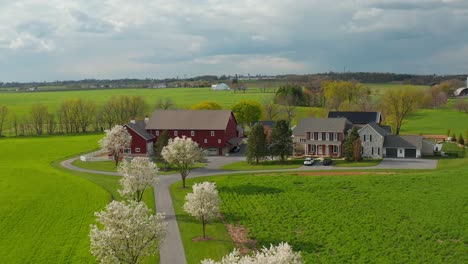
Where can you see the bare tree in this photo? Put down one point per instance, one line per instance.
(39, 114)
(270, 109)
(3, 117)
(164, 104)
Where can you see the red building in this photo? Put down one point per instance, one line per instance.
(214, 130)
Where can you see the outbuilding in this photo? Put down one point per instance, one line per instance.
(220, 87)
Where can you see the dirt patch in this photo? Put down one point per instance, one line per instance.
(198, 239)
(238, 234)
(339, 173)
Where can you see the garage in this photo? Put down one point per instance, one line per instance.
(410, 153)
(391, 152)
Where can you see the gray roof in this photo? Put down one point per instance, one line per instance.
(139, 128)
(377, 129)
(408, 141)
(321, 125)
(189, 119)
(388, 129)
(357, 117)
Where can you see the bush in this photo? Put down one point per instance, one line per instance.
(327, 162)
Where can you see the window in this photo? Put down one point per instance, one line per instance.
(370, 138)
(219, 141)
(378, 151)
(175, 133)
(127, 151)
(335, 149)
(312, 148)
(401, 151)
(302, 140)
(192, 133)
(319, 136)
(157, 133)
(362, 150)
(335, 136)
(212, 133)
(137, 150)
(327, 136)
(372, 151)
(205, 141)
(364, 138)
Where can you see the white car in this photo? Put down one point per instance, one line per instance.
(308, 162)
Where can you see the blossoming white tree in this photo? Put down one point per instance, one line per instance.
(203, 203)
(281, 254)
(183, 153)
(129, 232)
(115, 141)
(138, 175)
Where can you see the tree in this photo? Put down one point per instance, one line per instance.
(460, 140)
(3, 117)
(39, 114)
(206, 105)
(454, 137)
(343, 95)
(203, 203)
(461, 106)
(138, 175)
(126, 232)
(270, 109)
(247, 111)
(281, 143)
(397, 104)
(116, 140)
(256, 144)
(281, 254)
(162, 141)
(352, 146)
(292, 93)
(434, 97)
(164, 104)
(183, 153)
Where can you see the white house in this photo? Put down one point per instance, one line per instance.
(220, 87)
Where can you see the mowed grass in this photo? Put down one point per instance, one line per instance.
(45, 213)
(406, 217)
(109, 166)
(264, 165)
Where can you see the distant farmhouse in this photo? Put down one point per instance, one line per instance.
(463, 91)
(324, 137)
(220, 87)
(216, 131)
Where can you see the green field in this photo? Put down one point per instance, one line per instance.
(264, 165)
(406, 217)
(45, 211)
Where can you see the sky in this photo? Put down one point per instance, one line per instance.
(47, 40)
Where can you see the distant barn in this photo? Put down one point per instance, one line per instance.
(220, 87)
(463, 91)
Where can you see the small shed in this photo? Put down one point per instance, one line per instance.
(220, 87)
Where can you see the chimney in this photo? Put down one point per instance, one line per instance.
(146, 120)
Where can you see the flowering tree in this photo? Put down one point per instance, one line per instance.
(138, 175)
(115, 141)
(281, 254)
(182, 153)
(203, 203)
(129, 231)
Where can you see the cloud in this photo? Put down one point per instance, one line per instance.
(120, 38)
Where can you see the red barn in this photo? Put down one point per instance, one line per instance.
(214, 130)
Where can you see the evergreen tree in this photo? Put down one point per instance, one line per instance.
(256, 145)
(352, 145)
(454, 137)
(461, 141)
(158, 146)
(281, 144)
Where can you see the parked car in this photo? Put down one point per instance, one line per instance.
(235, 149)
(327, 162)
(308, 162)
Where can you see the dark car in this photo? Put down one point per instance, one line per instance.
(327, 162)
(235, 149)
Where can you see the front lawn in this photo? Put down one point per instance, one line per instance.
(362, 163)
(110, 166)
(405, 217)
(264, 165)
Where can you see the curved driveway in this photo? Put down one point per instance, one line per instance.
(172, 249)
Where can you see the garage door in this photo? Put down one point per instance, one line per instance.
(410, 153)
(391, 152)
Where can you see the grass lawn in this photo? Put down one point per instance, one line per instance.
(110, 166)
(362, 163)
(45, 210)
(264, 165)
(449, 146)
(405, 217)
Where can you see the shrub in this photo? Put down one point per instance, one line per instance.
(327, 162)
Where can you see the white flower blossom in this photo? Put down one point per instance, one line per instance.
(115, 141)
(138, 175)
(203, 203)
(126, 232)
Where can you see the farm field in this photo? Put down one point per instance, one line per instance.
(405, 217)
(45, 212)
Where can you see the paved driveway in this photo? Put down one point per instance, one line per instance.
(394, 163)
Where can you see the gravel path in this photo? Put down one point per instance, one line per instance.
(172, 248)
